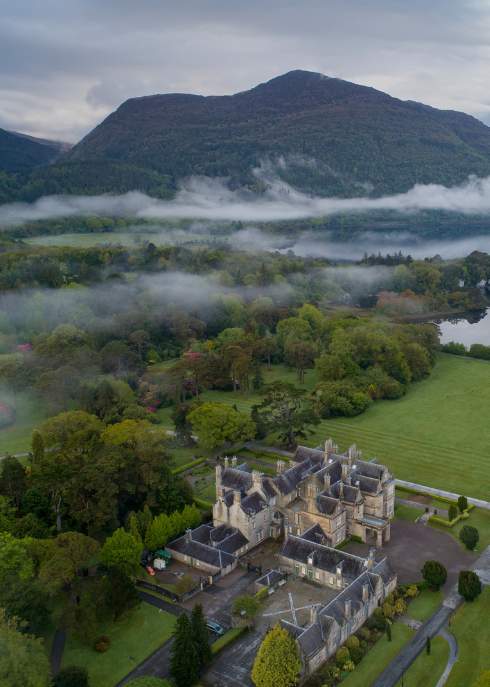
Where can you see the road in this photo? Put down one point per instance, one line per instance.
(393, 673)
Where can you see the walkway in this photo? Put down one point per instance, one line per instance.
(423, 489)
(400, 664)
(453, 655)
(57, 649)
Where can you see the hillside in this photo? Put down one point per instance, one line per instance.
(356, 136)
(323, 135)
(22, 153)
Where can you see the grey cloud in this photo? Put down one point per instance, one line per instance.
(78, 60)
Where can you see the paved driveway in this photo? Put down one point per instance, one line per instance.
(412, 544)
(233, 665)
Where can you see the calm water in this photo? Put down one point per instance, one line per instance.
(472, 328)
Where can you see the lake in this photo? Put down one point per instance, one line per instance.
(472, 328)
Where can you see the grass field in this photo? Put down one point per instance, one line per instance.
(427, 668)
(480, 519)
(403, 512)
(424, 605)
(377, 658)
(132, 639)
(438, 434)
(29, 413)
(472, 631)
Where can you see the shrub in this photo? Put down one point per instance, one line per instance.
(462, 503)
(469, 585)
(365, 633)
(434, 573)
(352, 642)
(349, 666)
(246, 606)
(400, 607)
(412, 591)
(102, 644)
(388, 610)
(342, 656)
(262, 593)
(185, 584)
(356, 654)
(469, 536)
(452, 512)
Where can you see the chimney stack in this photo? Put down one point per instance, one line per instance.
(226, 462)
(371, 558)
(280, 467)
(365, 592)
(326, 480)
(188, 535)
(234, 462)
(237, 496)
(348, 608)
(313, 614)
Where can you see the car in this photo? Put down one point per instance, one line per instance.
(150, 570)
(215, 627)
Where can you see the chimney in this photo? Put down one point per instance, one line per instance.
(218, 475)
(313, 614)
(341, 490)
(226, 461)
(326, 480)
(234, 462)
(348, 608)
(345, 470)
(237, 496)
(352, 454)
(256, 479)
(188, 535)
(328, 448)
(365, 593)
(371, 558)
(280, 467)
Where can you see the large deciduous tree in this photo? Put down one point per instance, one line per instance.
(122, 551)
(277, 661)
(23, 660)
(217, 424)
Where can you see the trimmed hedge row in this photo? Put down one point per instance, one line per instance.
(450, 523)
(188, 466)
(444, 499)
(227, 639)
(207, 505)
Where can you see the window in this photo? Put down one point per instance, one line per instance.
(317, 575)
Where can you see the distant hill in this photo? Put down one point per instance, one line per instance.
(22, 153)
(323, 135)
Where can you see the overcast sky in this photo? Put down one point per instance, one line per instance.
(66, 64)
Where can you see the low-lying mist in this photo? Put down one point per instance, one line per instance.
(211, 199)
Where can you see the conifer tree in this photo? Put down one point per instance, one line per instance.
(200, 635)
(184, 663)
(277, 661)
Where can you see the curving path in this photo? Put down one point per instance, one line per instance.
(453, 656)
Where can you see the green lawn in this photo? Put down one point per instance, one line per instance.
(403, 512)
(438, 434)
(425, 605)
(472, 631)
(132, 639)
(480, 519)
(30, 413)
(427, 668)
(378, 658)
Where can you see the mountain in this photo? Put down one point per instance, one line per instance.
(323, 135)
(22, 153)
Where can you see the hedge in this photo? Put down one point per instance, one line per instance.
(449, 523)
(207, 505)
(188, 466)
(444, 499)
(262, 593)
(227, 638)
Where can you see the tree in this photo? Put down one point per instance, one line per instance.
(23, 660)
(284, 410)
(462, 503)
(469, 585)
(122, 551)
(469, 536)
(217, 424)
(277, 661)
(37, 445)
(120, 592)
(12, 480)
(71, 676)
(434, 573)
(246, 606)
(452, 512)
(200, 635)
(300, 355)
(185, 661)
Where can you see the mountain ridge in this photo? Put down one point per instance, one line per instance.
(321, 134)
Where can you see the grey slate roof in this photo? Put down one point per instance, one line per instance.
(233, 478)
(369, 484)
(324, 557)
(202, 552)
(367, 469)
(253, 503)
(326, 504)
(350, 494)
(270, 578)
(212, 545)
(315, 534)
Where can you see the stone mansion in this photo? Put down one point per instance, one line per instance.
(341, 493)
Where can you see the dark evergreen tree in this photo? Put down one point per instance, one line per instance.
(184, 663)
(469, 536)
(72, 676)
(462, 503)
(469, 585)
(200, 635)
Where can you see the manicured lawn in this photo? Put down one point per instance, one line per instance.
(480, 519)
(185, 454)
(427, 668)
(403, 512)
(424, 605)
(132, 639)
(472, 631)
(377, 659)
(438, 434)
(29, 414)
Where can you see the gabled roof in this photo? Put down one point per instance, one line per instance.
(349, 493)
(326, 504)
(253, 503)
(324, 557)
(239, 480)
(369, 469)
